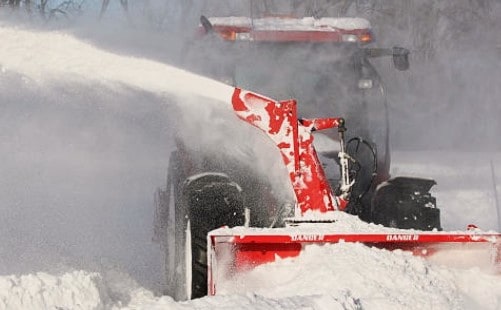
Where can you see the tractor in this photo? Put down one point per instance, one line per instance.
(286, 49)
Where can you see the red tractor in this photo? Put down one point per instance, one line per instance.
(286, 51)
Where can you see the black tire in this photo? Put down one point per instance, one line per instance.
(193, 207)
(406, 203)
(211, 201)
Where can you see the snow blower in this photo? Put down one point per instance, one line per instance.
(318, 212)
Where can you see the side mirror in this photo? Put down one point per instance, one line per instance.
(400, 58)
(206, 24)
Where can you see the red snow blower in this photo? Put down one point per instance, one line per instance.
(317, 215)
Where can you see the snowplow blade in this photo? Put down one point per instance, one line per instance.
(239, 250)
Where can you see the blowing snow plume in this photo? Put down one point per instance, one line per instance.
(86, 137)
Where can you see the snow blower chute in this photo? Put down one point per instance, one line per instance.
(318, 216)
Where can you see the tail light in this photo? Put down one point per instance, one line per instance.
(365, 37)
(235, 36)
(228, 35)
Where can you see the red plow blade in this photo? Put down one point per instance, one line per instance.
(232, 251)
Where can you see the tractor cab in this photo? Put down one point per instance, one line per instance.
(302, 50)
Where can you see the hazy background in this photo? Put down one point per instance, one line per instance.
(80, 162)
(448, 99)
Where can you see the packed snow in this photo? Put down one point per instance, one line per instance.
(353, 276)
(339, 276)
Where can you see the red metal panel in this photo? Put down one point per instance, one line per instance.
(248, 255)
(295, 141)
(363, 238)
(296, 36)
(277, 36)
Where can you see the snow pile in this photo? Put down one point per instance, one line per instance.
(72, 290)
(356, 276)
(76, 289)
(334, 276)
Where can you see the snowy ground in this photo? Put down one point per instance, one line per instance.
(84, 142)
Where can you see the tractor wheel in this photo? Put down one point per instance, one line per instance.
(406, 202)
(204, 202)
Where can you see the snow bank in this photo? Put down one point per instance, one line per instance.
(371, 277)
(361, 277)
(76, 289)
(334, 276)
(72, 290)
